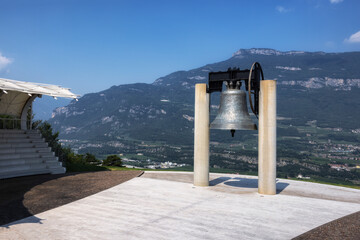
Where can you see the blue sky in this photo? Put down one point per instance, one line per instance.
(89, 46)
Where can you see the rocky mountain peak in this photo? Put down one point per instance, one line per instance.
(264, 51)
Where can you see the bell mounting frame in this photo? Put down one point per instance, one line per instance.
(233, 77)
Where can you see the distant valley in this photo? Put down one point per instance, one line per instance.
(149, 124)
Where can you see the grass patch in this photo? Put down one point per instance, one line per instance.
(328, 182)
(180, 169)
(114, 168)
(183, 169)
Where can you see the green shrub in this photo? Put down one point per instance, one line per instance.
(91, 159)
(72, 161)
(80, 167)
(112, 160)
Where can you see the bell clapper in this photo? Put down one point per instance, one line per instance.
(232, 132)
(229, 152)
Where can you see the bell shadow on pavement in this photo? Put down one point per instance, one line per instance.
(280, 186)
(242, 182)
(245, 183)
(218, 180)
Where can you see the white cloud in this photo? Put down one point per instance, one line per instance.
(355, 38)
(288, 68)
(4, 61)
(282, 9)
(336, 1)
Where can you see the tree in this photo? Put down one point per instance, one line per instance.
(47, 132)
(112, 160)
(73, 162)
(91, 159)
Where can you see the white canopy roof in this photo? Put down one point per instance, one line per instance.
(36, 88)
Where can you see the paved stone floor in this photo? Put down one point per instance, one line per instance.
(165, 205)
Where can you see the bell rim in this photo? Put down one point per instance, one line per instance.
(230, 126)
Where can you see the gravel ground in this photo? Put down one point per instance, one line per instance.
(26, 196)
(345, 228)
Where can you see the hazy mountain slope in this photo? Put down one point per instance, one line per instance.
(311, 86)
(44, 106)
(318, 106)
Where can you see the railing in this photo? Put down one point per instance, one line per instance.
(13, 123)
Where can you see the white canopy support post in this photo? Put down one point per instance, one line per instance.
(267, 137)
(24, 112)
(201, 136)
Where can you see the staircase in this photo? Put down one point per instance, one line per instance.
(25, 152)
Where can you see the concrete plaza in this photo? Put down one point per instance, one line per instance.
(166, 205)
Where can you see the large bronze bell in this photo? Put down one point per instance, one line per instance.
(233, 112)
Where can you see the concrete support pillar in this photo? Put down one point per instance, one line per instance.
(24, 112)
(267, 137)
(201, 136)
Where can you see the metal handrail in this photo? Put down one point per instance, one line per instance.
(13, 123)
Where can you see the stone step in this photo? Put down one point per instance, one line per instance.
(21, 167)
(23, 145)
(4, 151)
(11, 131)
(21, 140)
(26, 155)
(15, 162)
(48, 161)
(20, 173)
(20, 135)
(18, 131)
(57, 170)
(53, 164)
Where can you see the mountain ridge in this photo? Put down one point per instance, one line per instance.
(316, 93)
(289, 72)
(317, 108)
